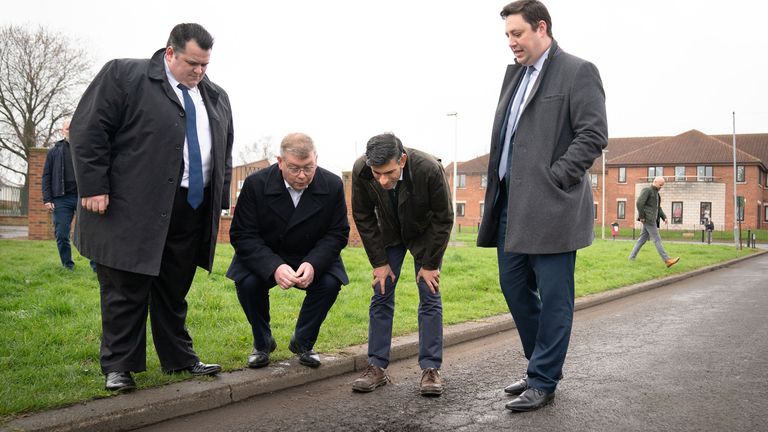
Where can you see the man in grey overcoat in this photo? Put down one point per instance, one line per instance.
(152, 151)
(550, 126)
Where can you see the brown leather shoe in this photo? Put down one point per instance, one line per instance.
(672, 261)
(431, 382)
(373, 377)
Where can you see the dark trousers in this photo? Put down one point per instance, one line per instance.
(539, 290)
(253, 294)
(382, 311)
(127, 298)
(63, 212)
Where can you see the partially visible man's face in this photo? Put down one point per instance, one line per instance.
(188, 66)
(297, 172)
(389, 174)
(527, 44)
(65, 130)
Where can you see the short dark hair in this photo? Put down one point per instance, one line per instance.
(532, 11)
(185, 32)
(383, 148)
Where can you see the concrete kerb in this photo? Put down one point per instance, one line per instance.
(150, 406)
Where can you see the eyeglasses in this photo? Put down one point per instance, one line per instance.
(307, 170)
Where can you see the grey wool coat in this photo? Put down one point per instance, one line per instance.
(127, 139)
(561, 131)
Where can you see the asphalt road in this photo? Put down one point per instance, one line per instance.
(691, 356)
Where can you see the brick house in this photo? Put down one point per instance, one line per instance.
(698, 169)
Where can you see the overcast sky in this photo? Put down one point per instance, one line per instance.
(343, 71)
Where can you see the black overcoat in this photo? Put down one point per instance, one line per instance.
(127, 139)
(268, 231)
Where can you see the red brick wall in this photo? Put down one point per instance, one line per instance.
(13, 220)
(472, 194)
(354, 236)
(224, 223)
(40, 224)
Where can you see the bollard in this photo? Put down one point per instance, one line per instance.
(754, 241)
(702, 236)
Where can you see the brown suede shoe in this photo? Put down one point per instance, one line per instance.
(373, 377)
(431, 382)
(672, 261)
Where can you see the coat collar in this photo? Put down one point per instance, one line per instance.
(279, 200)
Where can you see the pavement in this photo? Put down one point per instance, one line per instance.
(149, 406)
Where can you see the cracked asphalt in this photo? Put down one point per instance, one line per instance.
(690, 356)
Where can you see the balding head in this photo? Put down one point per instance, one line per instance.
(658, 182)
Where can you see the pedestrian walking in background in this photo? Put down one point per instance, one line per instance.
(650, 213)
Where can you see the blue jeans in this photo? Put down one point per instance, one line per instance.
(649, 231)
(382, 311)
(63, 212)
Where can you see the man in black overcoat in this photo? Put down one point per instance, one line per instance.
(289, 228)
(152, 149)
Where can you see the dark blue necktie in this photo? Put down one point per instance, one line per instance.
(195, 193)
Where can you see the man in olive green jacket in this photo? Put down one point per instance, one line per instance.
(649, 212)
(401, 202)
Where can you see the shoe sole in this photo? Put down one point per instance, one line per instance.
(516, 410)
(310, 364)
(257, 365)
(123, 389)
(515, 393)
(369, 389)
(431, 392)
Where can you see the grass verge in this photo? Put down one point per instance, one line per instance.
(50, 317)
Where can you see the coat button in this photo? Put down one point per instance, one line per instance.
(163, 214)
(170, 180)
(178, 147)
(181, 113)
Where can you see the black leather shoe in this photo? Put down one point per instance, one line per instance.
(531, 399)
(307, 358)
(258, 358)
(517, 387)
(119, 381)
(198, 369)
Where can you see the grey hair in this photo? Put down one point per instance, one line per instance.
(297, 144)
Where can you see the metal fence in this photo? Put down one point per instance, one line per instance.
(10, 201)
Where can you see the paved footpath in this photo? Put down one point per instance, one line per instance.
(689, 355)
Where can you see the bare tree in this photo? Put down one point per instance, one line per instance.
(41, 73)
(257, 150)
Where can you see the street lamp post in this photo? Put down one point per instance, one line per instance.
(602, 199)
(455, 116)
(735, 197)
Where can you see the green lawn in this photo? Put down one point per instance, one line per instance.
(50, 319)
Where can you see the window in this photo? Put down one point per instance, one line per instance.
(765, 213)
(704, 173)
(484, 181)
(677, 212)
(482, 209)
(705, 212)
(740, 204)
(740, 174)
(462, 182)
(621, 210)
(680, 173)
(460, 209)
(595, 211)
(622, 174)
(593, 178)
(655, 172)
